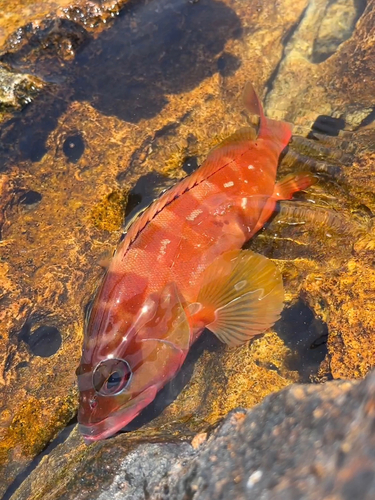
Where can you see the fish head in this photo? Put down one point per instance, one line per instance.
(118, 380)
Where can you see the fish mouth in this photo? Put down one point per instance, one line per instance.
(107, 427)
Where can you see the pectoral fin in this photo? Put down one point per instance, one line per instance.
(241, 296)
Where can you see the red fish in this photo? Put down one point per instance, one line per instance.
(180, 269)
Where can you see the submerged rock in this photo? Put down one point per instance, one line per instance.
(153, 92)
(17, 89)
(67, 204)
(89, 13)
(305, 442)
(328, 65)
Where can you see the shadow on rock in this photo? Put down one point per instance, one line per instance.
(306, 336)
(154, 49)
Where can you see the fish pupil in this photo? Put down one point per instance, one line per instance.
(114, 380)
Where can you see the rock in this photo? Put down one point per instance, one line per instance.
(329, 242)
(304, 442)
(56, 37)
(17, 90)
(73, 157)
(319, 71)
(91, 14)
(42, 45)
(172, 92)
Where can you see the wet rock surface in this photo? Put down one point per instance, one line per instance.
(70, 161)
(305, 442)
(17, 90)
(322, 64)
(91, 14)
(148, 94)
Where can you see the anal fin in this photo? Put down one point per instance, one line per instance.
(241, 296)
(285, 188)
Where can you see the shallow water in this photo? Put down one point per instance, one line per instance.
(126, 109)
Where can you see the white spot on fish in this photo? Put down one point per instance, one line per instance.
(240, 285)
(228, 184)
(145, 309)
(251, 167)
(244, 203)
(163, 248)
(245, 181)
(194, 214)
(201, 267)
(110, 356)
(254, 478)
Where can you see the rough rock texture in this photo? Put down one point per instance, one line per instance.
(324, 71)
(331, 237)
(71, 159)
(306, 442)
(40, 30)
(17, 90)
(30, 13)
(151, 93)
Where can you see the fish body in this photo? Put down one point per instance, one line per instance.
(179, 269)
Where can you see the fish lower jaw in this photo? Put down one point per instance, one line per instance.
(107, 427)
(92, 433)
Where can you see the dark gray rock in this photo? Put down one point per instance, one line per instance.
(306, 442)
(145, 469)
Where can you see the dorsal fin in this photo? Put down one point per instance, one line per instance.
(252, 102)
(219, 157)
(279, 131)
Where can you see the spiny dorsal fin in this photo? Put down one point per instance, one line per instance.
(252, 102)
(219, 157)
(278, 131)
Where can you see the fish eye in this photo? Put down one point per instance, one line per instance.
(111, 376)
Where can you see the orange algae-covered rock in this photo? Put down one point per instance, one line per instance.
(72, 157)
(74, 154)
